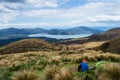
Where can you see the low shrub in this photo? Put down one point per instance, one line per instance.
(109, 72)
(5, 74)
(25, 75)
(55, 73)
(64, 74)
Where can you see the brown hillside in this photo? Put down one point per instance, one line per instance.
(113, 31)
(27, 45)
(110, 34)
(112, 46)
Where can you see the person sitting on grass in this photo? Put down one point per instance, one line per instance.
(83, 66)
(98, 63)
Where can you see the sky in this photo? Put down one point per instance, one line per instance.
(59, 13)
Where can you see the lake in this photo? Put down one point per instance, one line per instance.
(60, 36)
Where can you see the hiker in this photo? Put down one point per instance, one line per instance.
(98, 63)
(83, 66)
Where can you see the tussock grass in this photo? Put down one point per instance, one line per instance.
(25, 75)
(109, 72)
(72, 54)
(56, 73)
(64, 74)
(50, 72)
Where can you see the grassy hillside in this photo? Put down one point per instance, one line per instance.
(28, 45)
(113, 31)
(112, 46)
(59, 65)
(110, 34)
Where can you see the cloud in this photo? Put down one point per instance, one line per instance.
(45, 3)
(91, 9)
(42, 3)
(12, 1)
(3, 9)
(26, 25)
(6, 14)
(113, 1)
(7, 17)
(49, 13)
(97, 10)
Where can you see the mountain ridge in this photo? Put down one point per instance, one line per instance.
(107, 35)
(17, 33)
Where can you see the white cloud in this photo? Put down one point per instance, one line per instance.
(7, 17)
(42, 3)
(104, 18)
(91, 9)
(90, 14)
(30, 25)
(3, 9)
(9, 10)
(45, 3)
(13, 6)
(6, 14)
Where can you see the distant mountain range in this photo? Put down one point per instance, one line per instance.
(18, 33)
(107, 35)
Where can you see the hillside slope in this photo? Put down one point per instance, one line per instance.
(113, 31)
(110, 34)
(27, 45)
(111, 46)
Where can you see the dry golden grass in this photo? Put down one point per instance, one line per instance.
(56, 73)
(25, 75)
(50, 72)
(86, 45)
(109, 72)
(64, 74)
(70, 54)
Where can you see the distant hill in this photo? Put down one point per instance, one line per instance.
(83, 30)
(9, 40)
(110, 34)
(18, 33)
(74, 31)
(27, 45)
(111, 46)
(113, 31)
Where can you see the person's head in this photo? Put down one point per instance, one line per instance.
(99, 59)
(83, 60)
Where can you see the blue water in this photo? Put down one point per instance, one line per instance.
(60, 36)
